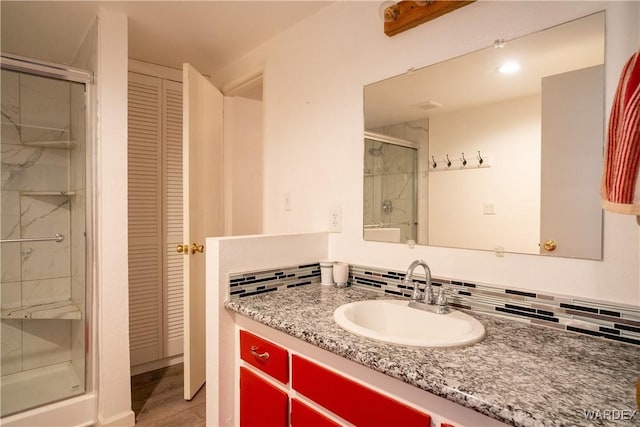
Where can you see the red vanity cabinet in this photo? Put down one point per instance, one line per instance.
(281, 387)
(271, 359)
(356, 403)
(262, 404)
(303, 416)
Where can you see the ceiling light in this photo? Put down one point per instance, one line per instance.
(509, 67)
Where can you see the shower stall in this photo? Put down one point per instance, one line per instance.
(44, 235)
(390, 189)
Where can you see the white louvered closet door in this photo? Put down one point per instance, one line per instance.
(155, 218)
(174, 278)
(145, 221)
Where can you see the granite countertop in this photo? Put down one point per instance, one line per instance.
(521, 374)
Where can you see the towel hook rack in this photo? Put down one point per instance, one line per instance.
(462, 161)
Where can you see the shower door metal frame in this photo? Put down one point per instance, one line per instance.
(45, 69)
(77, 75)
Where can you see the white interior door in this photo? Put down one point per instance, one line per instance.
(203, 210)
(572, 139)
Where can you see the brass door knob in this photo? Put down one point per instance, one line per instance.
(197, 248)
(550, 245)
(182, 249)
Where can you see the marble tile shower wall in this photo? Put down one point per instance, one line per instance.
(36, 202)
(616, 322)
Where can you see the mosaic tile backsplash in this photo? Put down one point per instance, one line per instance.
(258, 282)
(602, 319)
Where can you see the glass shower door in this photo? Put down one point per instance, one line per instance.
(42, 210)
(390, 192)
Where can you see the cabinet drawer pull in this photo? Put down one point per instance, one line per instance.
(263, 356)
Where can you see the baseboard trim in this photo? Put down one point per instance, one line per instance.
(124, 419)
(156, 364)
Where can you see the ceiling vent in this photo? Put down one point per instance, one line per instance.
(428, 105)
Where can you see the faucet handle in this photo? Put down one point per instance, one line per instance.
(441, 302)
(428, 295)
(417, 293)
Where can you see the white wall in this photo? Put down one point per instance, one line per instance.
(111, 273)
(508, 135)
(314, 74)
(243, 135)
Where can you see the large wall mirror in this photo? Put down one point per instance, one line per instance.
(500, 149)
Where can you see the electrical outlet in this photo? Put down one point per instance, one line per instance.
(335, 220)
(488, 209)
(287, 201)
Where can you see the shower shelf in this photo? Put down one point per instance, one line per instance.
(62, 144)
(48, 193)
(52, 310)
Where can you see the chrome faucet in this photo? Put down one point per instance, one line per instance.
(418, 295)
(419, 298)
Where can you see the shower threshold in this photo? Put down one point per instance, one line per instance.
(37, 387)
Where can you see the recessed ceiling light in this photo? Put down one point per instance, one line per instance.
(509, 67)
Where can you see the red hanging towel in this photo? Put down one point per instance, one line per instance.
(620, 189)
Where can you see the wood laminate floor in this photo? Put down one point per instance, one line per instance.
(157, 400)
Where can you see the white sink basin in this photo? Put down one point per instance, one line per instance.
(394, 322)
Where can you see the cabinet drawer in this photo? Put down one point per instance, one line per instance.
(303, 416)
(266, 356)
(261, 404)
(350, 400)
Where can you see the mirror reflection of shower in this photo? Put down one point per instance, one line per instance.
(390, 185)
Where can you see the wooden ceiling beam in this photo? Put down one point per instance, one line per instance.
(407, 14)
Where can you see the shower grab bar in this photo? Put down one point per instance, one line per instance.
(57, 238)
